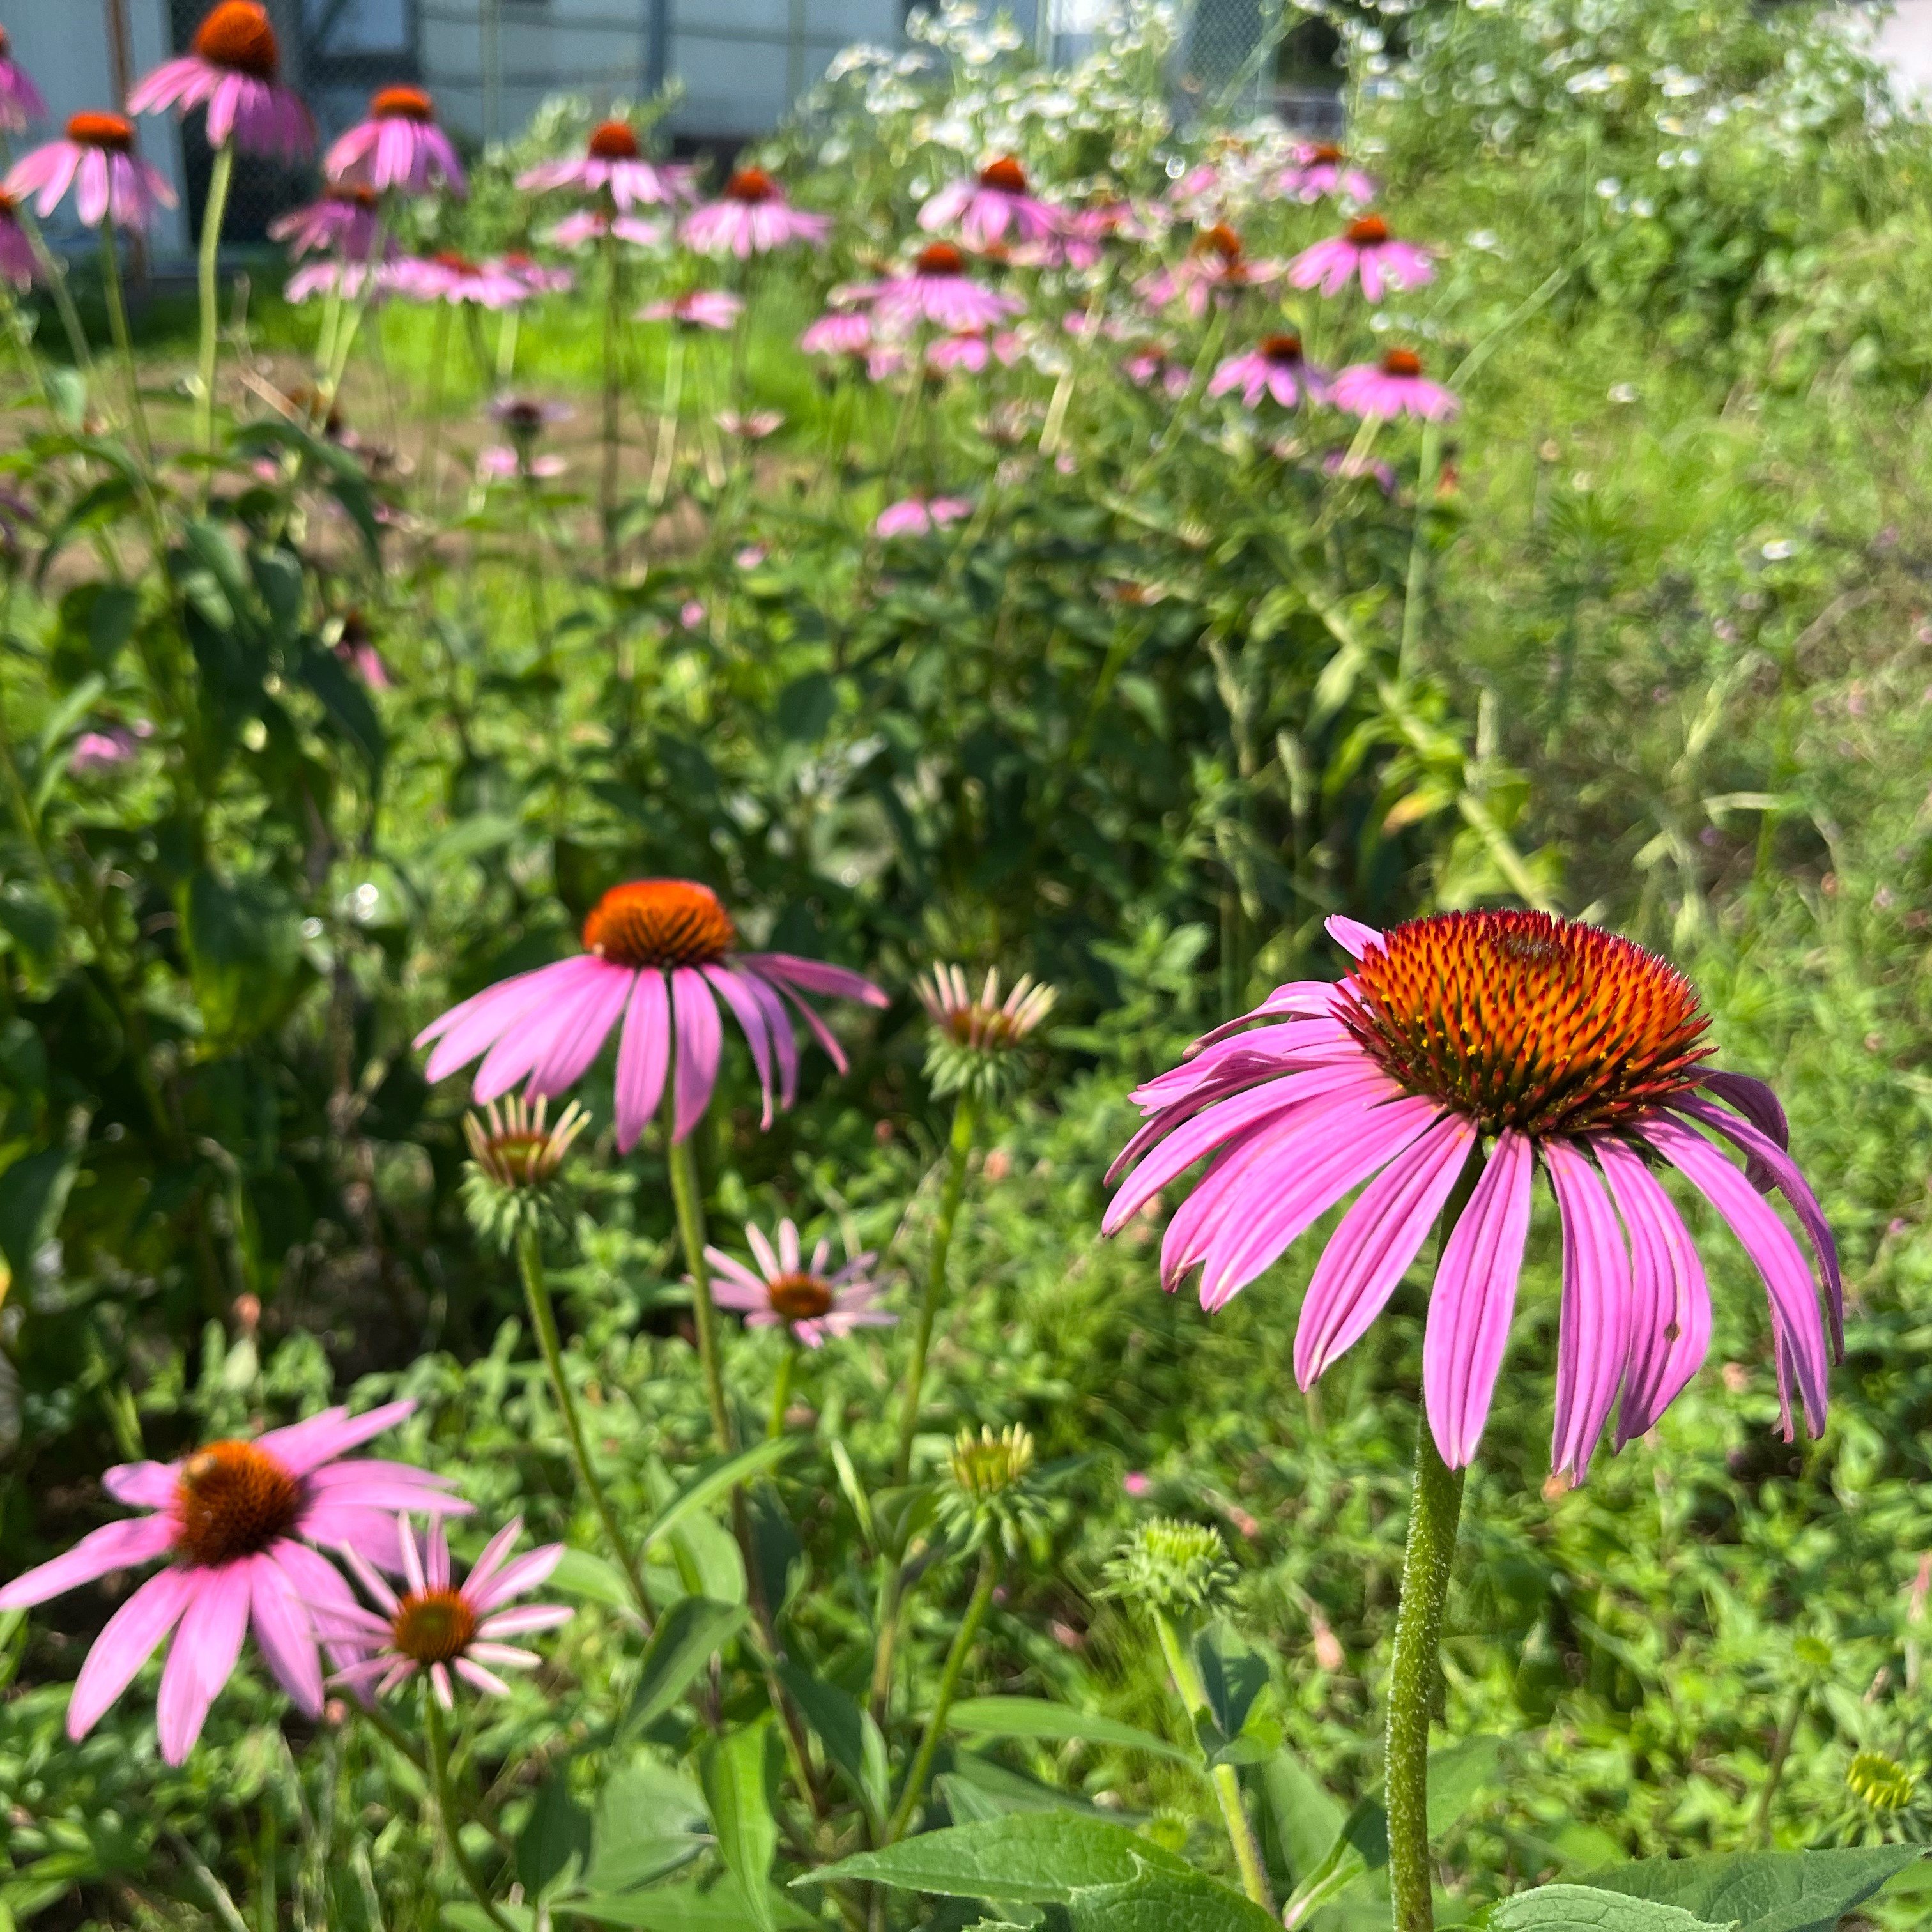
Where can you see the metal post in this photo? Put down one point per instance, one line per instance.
(121, 66)
(489, 23)
(657, 49)
(795, 53)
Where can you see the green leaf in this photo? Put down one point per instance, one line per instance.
(1233, 1676)
(1764, 1891)
(1035, 1718)
(1032, 1857)
(716, 1479)
(347, 703)
(1168, 1902)
(852, 1741)
(735, 1770)
(581, 1573)
(1458, 1776)
(689, 1635)
(244, 946)
(33, 1196)
(555, 1841)
(722, 1907)
(1583, 1908)
(648, 1821)
(1307, 1820)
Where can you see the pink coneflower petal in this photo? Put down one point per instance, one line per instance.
(513, 1579)
(142, 1485)
(1474, 1298)
(735, 991)
(284, 1634)
(521, 1623)
(1593, 1328)
(304, 1446)
(206, 1648)
(643, 1057)
(1378, 1237)
(1753, 1099)
(522, 1048)
(487, 1564)
(1770, 1244)
(1351, 934)
(114, 1545)
(409, 1557)
(815, 975)
(1670, 1303)
(700, 1038)
(129, 1639)
(472, 1674)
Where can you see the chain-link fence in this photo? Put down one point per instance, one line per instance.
(1243, 57)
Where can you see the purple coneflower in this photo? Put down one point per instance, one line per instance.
(697, 308)
(95, 752)
(807, 1297)
(919, 516)
(447, 277)
(1146, 366)
(523, 418)
(612, 163)
(437, 1626)
(1395, 386)
(1365, 249)
(936, 289)
(228, 1518)
(753, 425)
(1274, 367)
(499, 464)
(399, 146)
(20, 101)
(973, 349)
(840, 332)
(986, 207)
(231, 68)
(1216, 264)
(98, 155)
(538, 277)
(343, 222)
(658, 954)
(1552, 1042)
(589, 227)
(1346, 462)
(17, 261)
(751, 217)
(1321, 169)
(345, 279)
(1086, 233)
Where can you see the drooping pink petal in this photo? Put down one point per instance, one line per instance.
(438, 1678)
(527, 1044)
(820, 1032)
(734, 989)
(202, 1658)
(1314, 1162)
(1474, 1298)
(1670, 1304)
(1301, 999)
(1787, 1279)
(575, 1047)
(814, 975)
(1751, 1098)
(701, 1038)
(643, 1057)
(125, 1643)
(284, 1634)
(778, 1023)
(1766, 1154)
(1593, 1329)
(306, 1445)
(1378, 1237)
(472, 1674)
(114, 1545)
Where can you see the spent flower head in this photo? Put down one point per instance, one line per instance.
(974, 1038)
(515, 1156)
(1175, 1567)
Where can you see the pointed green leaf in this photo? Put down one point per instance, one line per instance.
(737, 1790)
(1050, 1722)
(689, 1635)
(1764, 1891)
(717, 1479)
(1583, 1908)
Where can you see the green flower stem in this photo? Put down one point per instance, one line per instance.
(1435, 1509)
(1428, 469)
(948, 1689)
(444, 1798)
(1226, 1780)
(543, 1319)
(439, 355)
(690, 1226)
(53, 277)
(214, 211)
(606, 490)
(674, 395)
(124, 339)
(965, 1121)
(781, 1388)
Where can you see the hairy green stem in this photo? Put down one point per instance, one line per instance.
(213, 212)
(948, 1689)
(965, 1120)
(124, 338)
(691, 1227)
(781, 1388)
(1226, 1780)
(543, 1319)
(444, 1799)
(607, 491)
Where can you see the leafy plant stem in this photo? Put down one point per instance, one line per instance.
(965, 1120)
(614, 402)
(543, 1319)
(673, 394)
(1224, 1778)
(948, 1689)
(215, 210)
(781, 1388)
(691, 1227)
(436, 1743)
